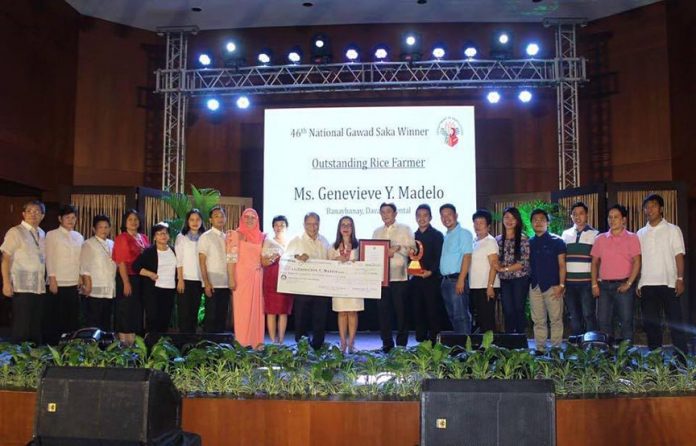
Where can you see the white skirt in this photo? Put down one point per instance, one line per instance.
(339, 304)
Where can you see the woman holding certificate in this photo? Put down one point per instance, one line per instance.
(243, 247)
(345, 249)
(277, 306)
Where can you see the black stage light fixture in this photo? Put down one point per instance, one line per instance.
(321, 49)
(470, 50)
(411, 47)
(352, 53)
(233, 54)
(381, 53)
(264, 57)
(501, 45)
(295, 55)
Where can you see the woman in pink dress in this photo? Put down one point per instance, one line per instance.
(243, 248)
(277, 306)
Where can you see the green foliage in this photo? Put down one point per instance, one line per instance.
(202, 199)
(300, 371)
(557, 214)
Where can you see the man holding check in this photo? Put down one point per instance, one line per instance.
(310, 245)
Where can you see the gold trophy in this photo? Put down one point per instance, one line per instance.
(415, 268)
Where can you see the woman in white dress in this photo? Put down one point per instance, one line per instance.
(345, 249)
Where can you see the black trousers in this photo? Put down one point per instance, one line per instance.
(99, 313)
(427, 307)
(314, 308)
(393, 297)
(26, 317)
(662, 298)
(484, 309)
(128, 310)
(187, 306)
(68, 311)
(159, 303)
(216, 309)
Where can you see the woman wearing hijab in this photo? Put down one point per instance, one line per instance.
(243, 247)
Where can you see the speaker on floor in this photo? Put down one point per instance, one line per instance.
(185, 341)
(506, 340)
(488, 413)
(106, 406)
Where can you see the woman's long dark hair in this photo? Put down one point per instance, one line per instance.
(339, 236)
(185, 229)
(518, 233)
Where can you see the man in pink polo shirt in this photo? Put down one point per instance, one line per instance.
(615, 267)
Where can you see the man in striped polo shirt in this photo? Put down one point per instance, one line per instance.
(578, 297)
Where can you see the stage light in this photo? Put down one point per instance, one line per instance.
(352, 53)
(212, 104)
(411, 47)
(501, 45)
(493, 97)
(295, 55)
(233, 56)
(265, 57)
(204, 60)
(525, 96)
(532, 49)
(470, 50)
(321, 49)
(438, 52)
(243, 102)
(381, 53)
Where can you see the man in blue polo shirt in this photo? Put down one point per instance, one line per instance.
(547, 281)
(454, 267)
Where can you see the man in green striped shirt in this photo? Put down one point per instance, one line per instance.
(582, 307)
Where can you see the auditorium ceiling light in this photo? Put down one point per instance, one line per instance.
(493, 97)
(265, 57)
(231, 47)
(532, 49)
(470, 50)
(525, 96)
(295, 55)
(233, 56)
(411, 47)
(439, 52)
(243, 102)
(321, 49)
(501, 45)
(381, 53)
(204, 60)
(212, 104)
(352, 53)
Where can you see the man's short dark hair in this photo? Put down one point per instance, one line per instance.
(426, 208)
(278, 218)
(37, 203)
(538, 211)
(621, 208)
(483, 213)
(312, 214)
(390, 205)
(448, 206)
(579, 204)
(67, 209)
(656, 198)
(99, 218)
(216, 208)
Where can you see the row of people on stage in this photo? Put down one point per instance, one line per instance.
(134, 281)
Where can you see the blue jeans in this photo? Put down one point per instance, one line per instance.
(610, 302)
(457, 306)
(513, 294)
(582, 309)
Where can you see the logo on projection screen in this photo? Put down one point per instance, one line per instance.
(450, 129)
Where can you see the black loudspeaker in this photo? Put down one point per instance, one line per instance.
(488, 413)
(506, 340)
(185, 341)
(105, 406)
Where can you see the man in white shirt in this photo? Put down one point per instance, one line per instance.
(98, 271)
(24, 273)
(62, 304)
(213, 262)
(661, 282)
(395, 295)
(310, 245)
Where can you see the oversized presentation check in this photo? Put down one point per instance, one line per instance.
(330, 278)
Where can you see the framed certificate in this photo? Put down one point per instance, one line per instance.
(376, 250)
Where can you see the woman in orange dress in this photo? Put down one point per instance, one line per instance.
(243, 247)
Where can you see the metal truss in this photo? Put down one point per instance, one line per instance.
(567, 103)
(372, 76)
(175, 107)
